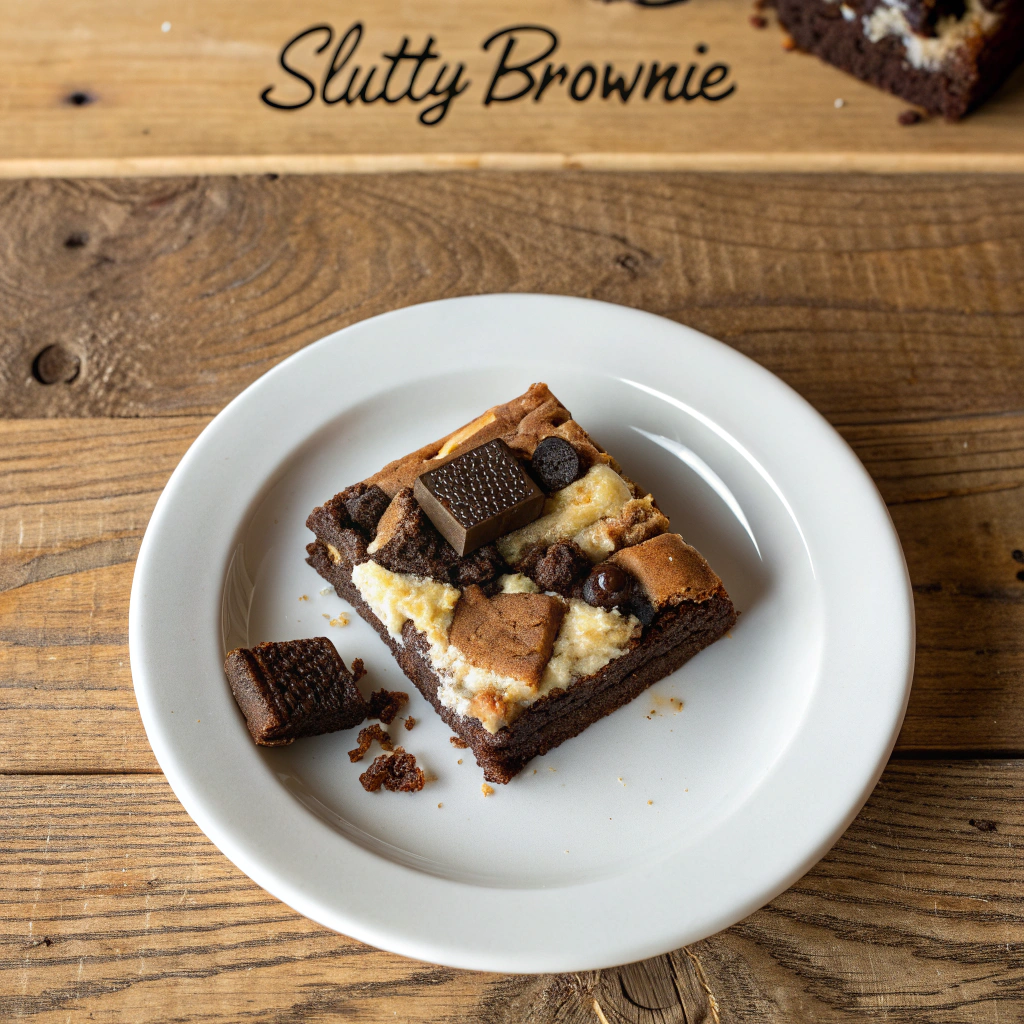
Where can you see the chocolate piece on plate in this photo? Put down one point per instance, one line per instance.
(556, 464)
(293, 689)
(479, 496)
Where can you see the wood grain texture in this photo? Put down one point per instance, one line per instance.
(75, 498)
(117, 908)
(895, 306)
(187, 100)
(876, 298)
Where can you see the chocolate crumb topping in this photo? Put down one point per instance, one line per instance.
(458, 742)
(408, 542)
(385, 704)
(557, 568)
(410, 723)
(366, 506)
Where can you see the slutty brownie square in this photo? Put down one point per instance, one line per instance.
(522, 581)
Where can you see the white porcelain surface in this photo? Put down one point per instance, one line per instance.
(654, 828)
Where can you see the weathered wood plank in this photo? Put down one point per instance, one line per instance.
(74, 502)
(878, 298)
(108, 89)
(117, 908)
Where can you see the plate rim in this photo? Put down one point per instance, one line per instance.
(466, 954)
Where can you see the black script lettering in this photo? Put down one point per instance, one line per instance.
(684, 93)
(447, 93)
(706, 82)
(355, 34)
(282, 60)
(549, 76)
(608, 86)
(655, 76)
(523, 69)
(427, 53)
(590, 71)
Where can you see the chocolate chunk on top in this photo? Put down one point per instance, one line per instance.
(556, 463)
(478, 496)
(668, 571)
(558, 567)
(406, 541)
(510, 634)
(293, 689)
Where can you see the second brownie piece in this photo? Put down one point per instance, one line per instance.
(293, 689)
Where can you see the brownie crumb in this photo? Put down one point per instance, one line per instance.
(410, 722)
(758, 21)
(458, 741)
(557, 568)
(358, 669)
(366, 737)
(396, 772)
(909, 117)
(385, 704)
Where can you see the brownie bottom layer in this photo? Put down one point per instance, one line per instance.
(952, 91)
(675, 637)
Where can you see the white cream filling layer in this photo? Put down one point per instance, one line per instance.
(929, 53)
(588, 639)
(601, 492)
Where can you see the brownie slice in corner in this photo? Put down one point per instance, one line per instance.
(293, 689)
(947, 56)
(545, 616)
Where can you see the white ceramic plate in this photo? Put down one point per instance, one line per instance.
(654, 828)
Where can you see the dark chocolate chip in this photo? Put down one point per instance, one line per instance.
(608, 586)
(556, 464)
(479, 496)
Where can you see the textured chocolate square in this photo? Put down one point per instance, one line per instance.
(293, 689)
(479, 496)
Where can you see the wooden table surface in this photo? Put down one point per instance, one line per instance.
(132, 310)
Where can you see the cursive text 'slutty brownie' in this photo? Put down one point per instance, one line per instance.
(523, 582)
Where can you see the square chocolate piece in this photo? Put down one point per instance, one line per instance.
(479, 496)
(521, 616)
(293, 689)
